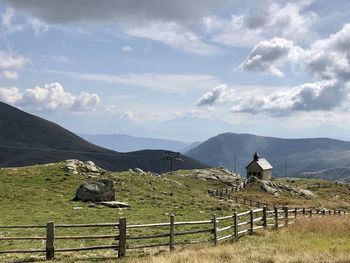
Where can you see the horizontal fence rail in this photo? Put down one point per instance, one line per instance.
(216, 229)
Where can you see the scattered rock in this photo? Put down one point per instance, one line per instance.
(269, 189)
(99, 191)
(74, 166)
(206, 177)
(306, 193)
(114, 204)
(139, 171)
(215, 174)
(274, 188)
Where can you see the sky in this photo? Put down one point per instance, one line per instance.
(183, 70)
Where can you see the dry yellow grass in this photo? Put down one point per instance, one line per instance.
(308, 240)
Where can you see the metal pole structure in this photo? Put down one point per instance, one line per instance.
(172, 156)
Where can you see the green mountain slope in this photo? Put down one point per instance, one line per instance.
(299, 155)
(26, 139)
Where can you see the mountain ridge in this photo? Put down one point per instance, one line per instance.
(301, 155)
(26, 139)
(127, 143)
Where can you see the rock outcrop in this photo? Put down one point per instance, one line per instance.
(102, 190)
(85, 168)
(275, 188)
(215, 174)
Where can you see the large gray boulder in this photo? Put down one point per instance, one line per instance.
(102, 190)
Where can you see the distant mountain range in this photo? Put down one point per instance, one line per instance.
(127, 143)
(318, 157)
(26, 139)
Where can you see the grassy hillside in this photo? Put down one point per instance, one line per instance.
(38, 194)
(301, 155)
(316, 240)
(26, 139)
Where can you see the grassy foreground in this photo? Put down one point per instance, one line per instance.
(38, 194)
(308, 240)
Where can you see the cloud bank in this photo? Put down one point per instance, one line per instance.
(50, 97)
(327, 60)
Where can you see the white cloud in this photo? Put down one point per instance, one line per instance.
(325, 59)
(50, 97)
(10, 95)
(219, 94)
(324, 95)
(11, 61)
(318, 96)
(126, 115)
(8, 22)
(38, 26)
(127, 48)
(175, 36)
(267, 19)
(10, 74)
(270, 56)
(330, 58)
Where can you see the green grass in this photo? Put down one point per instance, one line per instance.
(38, 194)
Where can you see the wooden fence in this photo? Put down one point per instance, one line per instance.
(322, 185)
(216, 229)
(227, 192)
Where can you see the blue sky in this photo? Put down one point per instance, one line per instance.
(184, 70)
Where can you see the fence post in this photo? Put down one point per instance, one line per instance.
(296, 213)
(258, 204)
(50, 240)
(323, 212)
(171, 234)
(264, 216)
(122, 237)
(251, 221)
(276, 216)
(215, 231)
(304, 211)
(310, 212)
(286, 216)
(236, 199)
(235, 221)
